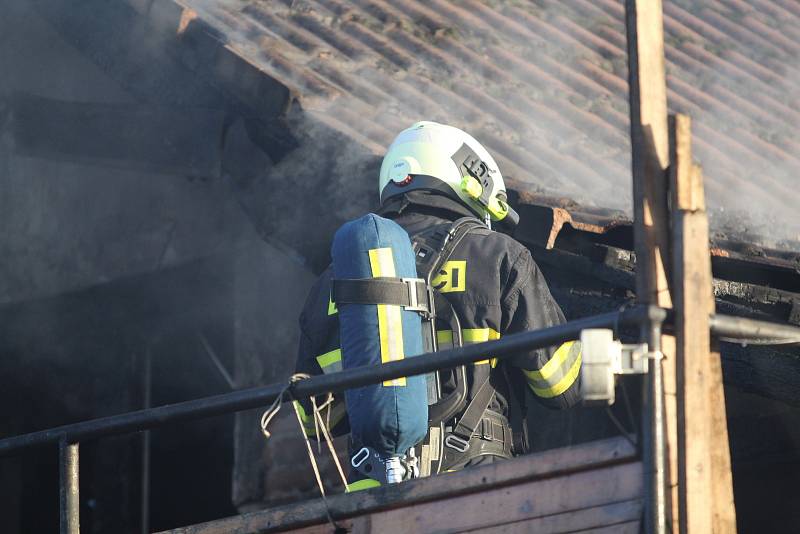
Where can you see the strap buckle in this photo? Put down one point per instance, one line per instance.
(487, 429)
(413, 301)
(456, 443)
(360, 457)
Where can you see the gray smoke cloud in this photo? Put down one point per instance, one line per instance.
(543, 85)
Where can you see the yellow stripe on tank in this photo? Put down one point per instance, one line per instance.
(390, 325)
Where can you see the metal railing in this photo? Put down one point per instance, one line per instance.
(68, 437)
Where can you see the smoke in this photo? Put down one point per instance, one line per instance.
(544, 86)
(747, 122)
(97, 184)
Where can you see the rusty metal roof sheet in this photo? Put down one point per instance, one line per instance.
(543, 85)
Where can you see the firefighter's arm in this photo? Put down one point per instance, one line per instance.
(313, 359)
(553, 373)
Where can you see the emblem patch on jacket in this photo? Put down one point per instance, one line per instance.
(452, 277)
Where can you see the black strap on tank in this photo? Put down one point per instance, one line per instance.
(410, 293)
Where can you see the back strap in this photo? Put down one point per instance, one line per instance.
(435, 245)
(410, 293)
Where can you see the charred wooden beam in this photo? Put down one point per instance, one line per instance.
(185, 142)
(148, 303)
(116, 39)
(557, 224)
(164, 55)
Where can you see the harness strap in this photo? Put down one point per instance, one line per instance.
(471, 418)
(493, 437)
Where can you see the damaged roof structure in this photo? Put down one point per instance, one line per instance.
(544, 85)
(321, 86)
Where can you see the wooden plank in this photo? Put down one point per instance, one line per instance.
(693, 300)
(521, 502)
(706, 495)
(327, 528)
(631, 527)
(609, 515)
(520, 470)
(650, 146)
(724, 519)
(650, 160)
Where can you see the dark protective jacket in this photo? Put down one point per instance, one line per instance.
(495, 288)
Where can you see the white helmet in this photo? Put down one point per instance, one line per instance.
(434, 156)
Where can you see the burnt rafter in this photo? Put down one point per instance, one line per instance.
(119, 42)
(162, 140)
(606, 237)
(164, 55)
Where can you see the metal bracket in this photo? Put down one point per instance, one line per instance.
(603, 358)
(413, 301)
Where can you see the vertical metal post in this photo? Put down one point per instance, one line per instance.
(654, 439)
(69, 495)
(147, 387)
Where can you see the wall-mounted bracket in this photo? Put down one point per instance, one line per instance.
(603, 359)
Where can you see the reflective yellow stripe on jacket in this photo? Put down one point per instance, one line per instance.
(330, 362)
(469, 335)
(559, 373)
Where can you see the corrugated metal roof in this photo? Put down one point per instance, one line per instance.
(543, 85)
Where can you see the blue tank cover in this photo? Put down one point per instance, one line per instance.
(391, 417)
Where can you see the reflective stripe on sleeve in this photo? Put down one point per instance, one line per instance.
(330, 362)
(559, 373)
(390, 323)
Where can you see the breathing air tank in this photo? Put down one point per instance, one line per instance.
(390, 417)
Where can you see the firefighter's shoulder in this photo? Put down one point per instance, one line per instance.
(498, 244)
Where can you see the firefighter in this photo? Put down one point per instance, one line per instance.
(432, 175)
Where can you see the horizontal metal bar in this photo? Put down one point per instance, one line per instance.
(335, 382)
(752, 330)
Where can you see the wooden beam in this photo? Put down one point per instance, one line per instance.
(180, 141)
(610, 465)
(572, 503)
(650, 160)
(705, 486)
